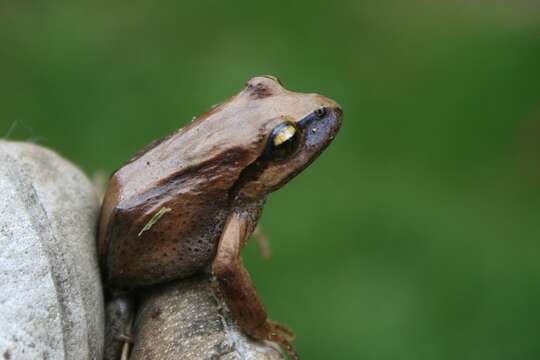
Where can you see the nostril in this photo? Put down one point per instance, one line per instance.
(338, 110)
(320, 112)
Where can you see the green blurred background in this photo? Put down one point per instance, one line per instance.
(415, 236)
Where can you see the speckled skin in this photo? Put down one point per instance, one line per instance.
(210, 176)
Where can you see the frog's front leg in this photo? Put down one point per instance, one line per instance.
(238, 290)
(119, 313)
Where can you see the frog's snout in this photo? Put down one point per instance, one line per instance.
(334, 119)
(338, 114)
(321, 127)
(339, 111)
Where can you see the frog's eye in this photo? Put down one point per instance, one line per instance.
(284, 140)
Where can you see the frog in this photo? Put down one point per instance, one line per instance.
(187, 203)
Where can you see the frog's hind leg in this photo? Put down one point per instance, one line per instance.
(238, 290)
(262, 242)
(119, 313)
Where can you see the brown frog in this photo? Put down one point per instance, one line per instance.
(187, 203)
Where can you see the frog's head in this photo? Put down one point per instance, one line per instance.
(288, 131)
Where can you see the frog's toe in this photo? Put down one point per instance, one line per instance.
(281, 335)
(283, 330)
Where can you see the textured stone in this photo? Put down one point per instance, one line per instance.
(51, 303)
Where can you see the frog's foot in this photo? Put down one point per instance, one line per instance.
(282, 336)
(283, 330)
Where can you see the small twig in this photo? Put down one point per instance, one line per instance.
(127, 344)
(11, 129)
(154, 219)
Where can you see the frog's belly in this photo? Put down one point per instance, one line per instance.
(157, 257)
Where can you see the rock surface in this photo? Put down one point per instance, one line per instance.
(51, 303)
(187, 320)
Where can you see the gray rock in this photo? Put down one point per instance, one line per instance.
(51, 302)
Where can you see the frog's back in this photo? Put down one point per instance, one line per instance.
(163, 214)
